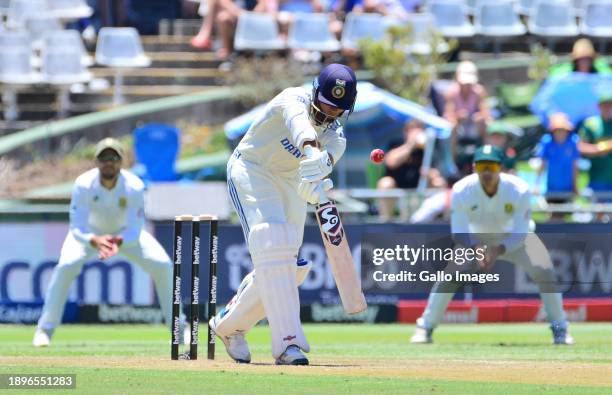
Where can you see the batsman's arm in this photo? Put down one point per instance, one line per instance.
(295, 113)
(79, 214)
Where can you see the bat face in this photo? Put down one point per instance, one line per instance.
(331, 226)
(340, 259)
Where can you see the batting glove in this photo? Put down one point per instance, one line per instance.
(314, 192)
(316, 166)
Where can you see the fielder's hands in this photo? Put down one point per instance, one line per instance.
(314, 192)
(107, 245)
(491, 255)
(316, 166)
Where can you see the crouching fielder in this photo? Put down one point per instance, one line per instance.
(270, 181)
(492, 209)
(106, 218)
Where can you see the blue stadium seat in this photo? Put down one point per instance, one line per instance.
(69, 10)
(597, 20)
(63, 66)
(451, 18)
(360, 26)
(497, 19)
(257, 31)
(39, 27)
(553, 18)
(311, 32)
(20, 10)
(156, 146)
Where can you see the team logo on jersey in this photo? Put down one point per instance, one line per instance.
(508, 208)
(474, 207)
(339, 90)
(329, 219)
(122, 202)
(96, 198)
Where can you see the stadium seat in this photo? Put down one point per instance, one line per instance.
(311, 32)
(10, 38)
(16, 67)
(39, 27)
(120, 47)
(597, 18)
(156, 146)
(257, 31)
(451, 18)
(423, 29)
(553, 18)
(62, 66)
(16, 72)
(69, 10)
(69, 39)
(524, 6)
(498, 20)
(20, 10)
(361, 26)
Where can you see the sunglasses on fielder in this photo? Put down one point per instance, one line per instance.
(109, 158)
(481, 167)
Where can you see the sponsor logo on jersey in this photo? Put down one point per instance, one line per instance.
(289, 338)
(292, 149)
(122, 202)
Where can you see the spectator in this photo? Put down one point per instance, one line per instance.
(466, 109)
(584, 60)
(223, 14)
(392, 8)
(403, 163)
(596, 144)
(559, 154)
(498, 136)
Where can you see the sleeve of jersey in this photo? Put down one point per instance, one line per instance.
(134, 218)
(295, 114)
(335, 144)
(522, 216)
(460, 222)
(79, 214)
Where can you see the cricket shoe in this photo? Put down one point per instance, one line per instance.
(42, 338)
(235, 345)
(561, 335)
(292, 356)
(422, 336)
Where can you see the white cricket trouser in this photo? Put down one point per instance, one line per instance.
(268, 204)
(533, 257)
(147, 253)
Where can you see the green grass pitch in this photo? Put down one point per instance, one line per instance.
(501, 358)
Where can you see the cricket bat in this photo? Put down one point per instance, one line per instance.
(338, 253)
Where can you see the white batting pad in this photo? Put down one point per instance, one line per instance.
(274, 249)
(246, 309)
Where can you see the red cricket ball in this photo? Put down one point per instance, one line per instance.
(377, 155)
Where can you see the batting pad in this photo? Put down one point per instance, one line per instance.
(246, 309)
(274, 249)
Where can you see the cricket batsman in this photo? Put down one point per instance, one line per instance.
(270, 181)
(492, 208)
(106, 218)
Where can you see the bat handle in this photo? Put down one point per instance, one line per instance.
(327, 185)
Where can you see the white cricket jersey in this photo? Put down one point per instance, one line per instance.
(95, 210)
(275, 138)
(507, 212)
